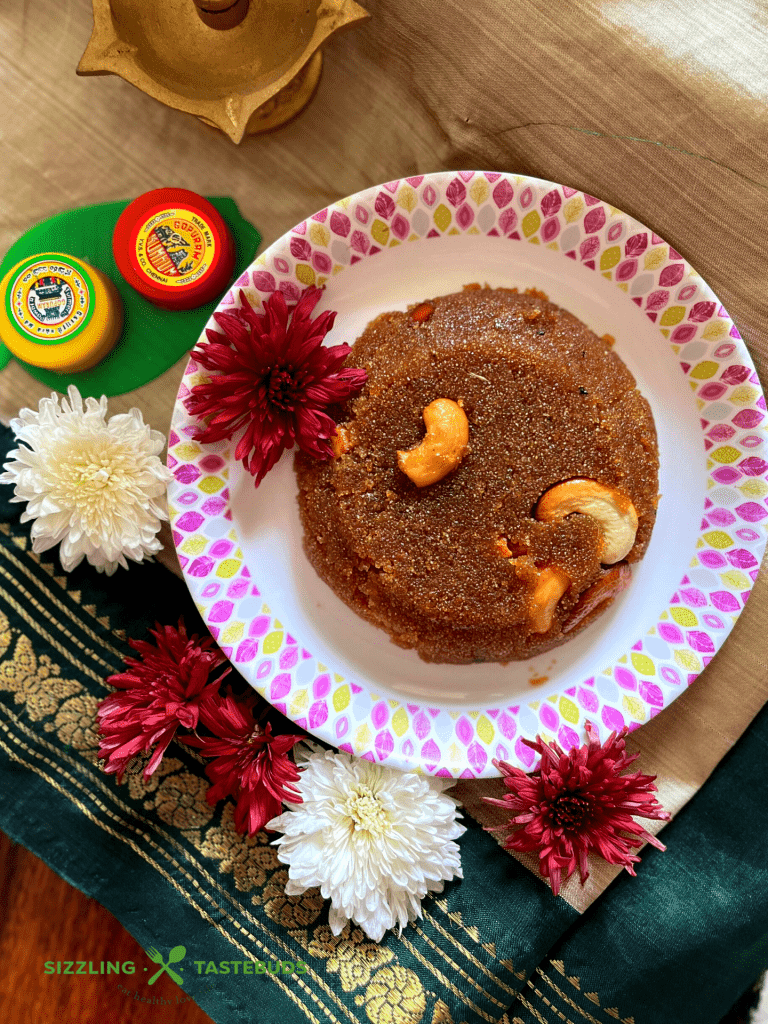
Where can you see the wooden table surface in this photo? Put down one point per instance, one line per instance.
(660, 109)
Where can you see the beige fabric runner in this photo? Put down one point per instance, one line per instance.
(659, 109)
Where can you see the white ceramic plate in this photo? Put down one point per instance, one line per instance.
(340, 677)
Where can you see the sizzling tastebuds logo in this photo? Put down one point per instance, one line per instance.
(170, 966)
(176, 955)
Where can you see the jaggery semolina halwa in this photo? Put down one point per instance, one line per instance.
(505, 540)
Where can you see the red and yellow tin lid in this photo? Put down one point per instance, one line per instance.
(174, 248)
(58, 312)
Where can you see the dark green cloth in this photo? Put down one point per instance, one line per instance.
(677, 944)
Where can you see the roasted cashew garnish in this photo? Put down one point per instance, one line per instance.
(613, 512)
(442, 448)
(607, 587)
(550, 587)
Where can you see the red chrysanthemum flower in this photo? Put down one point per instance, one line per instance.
(272, 375)
(250, 764)
(166, 688)
(576, 803)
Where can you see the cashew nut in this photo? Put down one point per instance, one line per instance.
(443, 446)
(607, 587)
(552, 584)
(613, 511)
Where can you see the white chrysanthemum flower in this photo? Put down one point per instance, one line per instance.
(94, 485)
(374, 839)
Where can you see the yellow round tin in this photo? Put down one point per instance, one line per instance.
(58, 312)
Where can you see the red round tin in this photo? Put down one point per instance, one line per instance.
(174, 248)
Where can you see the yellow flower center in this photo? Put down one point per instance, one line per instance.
(98, 476)
(366, 813)
(98, 479)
